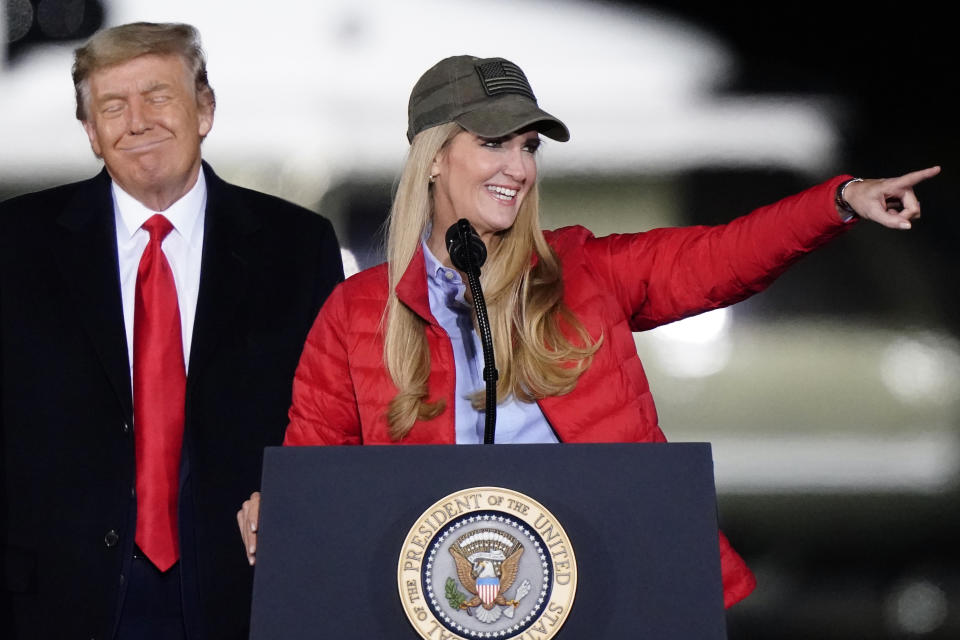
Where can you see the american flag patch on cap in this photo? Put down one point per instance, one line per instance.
(502, 76)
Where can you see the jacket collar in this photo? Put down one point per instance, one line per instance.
(412, 288)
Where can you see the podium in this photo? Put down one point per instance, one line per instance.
(336, 523)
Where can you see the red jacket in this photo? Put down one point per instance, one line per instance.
(615, 285)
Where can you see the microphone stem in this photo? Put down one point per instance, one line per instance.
(490, 373)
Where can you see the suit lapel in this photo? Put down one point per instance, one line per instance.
(224, 270)
(85, 250)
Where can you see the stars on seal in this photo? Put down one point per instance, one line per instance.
(437, 598)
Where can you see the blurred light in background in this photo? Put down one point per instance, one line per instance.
(693, 347)
(923, 368)
(916, 608)
(17, 19)
(927, 462)
(26, 24)
(60, 18)
(350, 265)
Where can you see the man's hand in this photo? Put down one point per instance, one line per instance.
(248, 519)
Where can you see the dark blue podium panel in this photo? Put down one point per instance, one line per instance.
(641, 519)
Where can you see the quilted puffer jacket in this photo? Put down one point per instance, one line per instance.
(615, 285)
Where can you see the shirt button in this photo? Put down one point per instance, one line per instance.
(448, 275)
(112, 538)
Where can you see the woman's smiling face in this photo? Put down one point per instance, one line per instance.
(483, 180)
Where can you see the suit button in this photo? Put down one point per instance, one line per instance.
(112, 538)
(125, 427)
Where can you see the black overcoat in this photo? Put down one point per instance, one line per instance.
(65, 400)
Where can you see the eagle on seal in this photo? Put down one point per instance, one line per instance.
(487, 575)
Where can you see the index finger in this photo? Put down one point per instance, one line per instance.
(907, 180)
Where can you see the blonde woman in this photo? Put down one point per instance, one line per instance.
(394, 356)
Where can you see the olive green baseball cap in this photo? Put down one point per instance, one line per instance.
(490, 97)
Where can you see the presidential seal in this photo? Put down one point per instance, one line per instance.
(487, 562)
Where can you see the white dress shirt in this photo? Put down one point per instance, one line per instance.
(517, 422)
(183, 248)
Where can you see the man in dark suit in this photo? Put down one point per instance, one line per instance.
(145, 360)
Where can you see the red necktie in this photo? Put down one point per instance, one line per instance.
(159, 386)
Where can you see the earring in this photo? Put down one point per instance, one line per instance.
(432, 178)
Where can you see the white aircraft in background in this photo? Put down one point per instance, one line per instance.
(309, 92)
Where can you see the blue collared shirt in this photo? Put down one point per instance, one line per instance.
(517, 422)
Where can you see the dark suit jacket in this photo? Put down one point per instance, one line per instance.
(65, 399)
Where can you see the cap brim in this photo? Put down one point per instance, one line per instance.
(511, 114)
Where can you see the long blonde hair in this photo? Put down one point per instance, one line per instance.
(529, 321)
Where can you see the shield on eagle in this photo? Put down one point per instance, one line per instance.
(487, 589)
(487, 562)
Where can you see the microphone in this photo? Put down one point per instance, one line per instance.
(468, 253)
(466, 249)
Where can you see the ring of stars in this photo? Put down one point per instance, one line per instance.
(487, 518)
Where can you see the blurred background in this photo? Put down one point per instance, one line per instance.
(832, 400)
